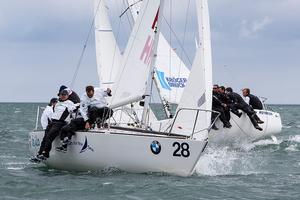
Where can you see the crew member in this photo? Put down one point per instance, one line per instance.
(239, 103)
(219, 107)
(47, 113)
(228, 103)
(254, 101)
(93, 106)
(60, 117)
(73, 96)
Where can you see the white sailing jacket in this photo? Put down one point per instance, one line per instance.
(98, 100)
(63, 109)
(46, 116)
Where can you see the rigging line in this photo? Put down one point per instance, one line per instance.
(177, 39)
(183, 41)
(170, 49)
(129, 8)
(84, 46)
(125, 3)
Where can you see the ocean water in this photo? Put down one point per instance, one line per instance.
(265, 169)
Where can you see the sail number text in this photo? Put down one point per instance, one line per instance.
(181, 150)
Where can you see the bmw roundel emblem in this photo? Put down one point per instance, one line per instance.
(155, 147)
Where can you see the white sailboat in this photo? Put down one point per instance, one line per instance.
(139, 149)
(242, 129)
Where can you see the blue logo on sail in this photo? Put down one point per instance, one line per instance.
(162, 80)
(169, 82)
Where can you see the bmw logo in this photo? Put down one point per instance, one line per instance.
(155, 147)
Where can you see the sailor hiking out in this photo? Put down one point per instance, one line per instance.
(219, 105)
(60, 118)
(239, 103)
(92, 107)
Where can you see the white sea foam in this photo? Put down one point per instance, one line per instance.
(15, 168)
(286, 127)
(294, 138)
(225, 162)
(7, 156)
(293, 147)
(265, 142)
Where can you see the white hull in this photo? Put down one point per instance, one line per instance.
(242, 130)
(128, 151)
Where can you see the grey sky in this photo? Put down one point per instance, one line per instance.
(255, 44)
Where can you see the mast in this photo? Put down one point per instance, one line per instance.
(158, 20)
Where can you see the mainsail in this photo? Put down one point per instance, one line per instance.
(130, 84)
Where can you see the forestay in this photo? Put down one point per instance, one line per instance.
(130, 84)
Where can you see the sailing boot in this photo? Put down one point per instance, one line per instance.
(252, 119)
(227, 125)
(35, 159)
(258, 120)
(63, 147)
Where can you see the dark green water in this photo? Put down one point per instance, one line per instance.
(261, 170)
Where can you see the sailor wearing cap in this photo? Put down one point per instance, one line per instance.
(73, 96)
(60, 117)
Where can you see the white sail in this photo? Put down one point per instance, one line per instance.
(130, 84)
(171, 73)
(198, 91)
(107, 51)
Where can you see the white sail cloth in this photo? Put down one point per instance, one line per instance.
(107, 51)
(198, 92)
(171, 73)
(130, 84)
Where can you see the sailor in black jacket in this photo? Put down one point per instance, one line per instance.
(239, 103)
(219, 106)
(254, 101)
